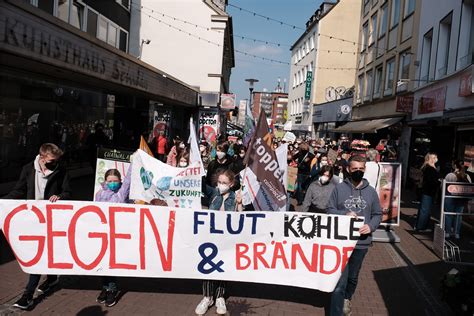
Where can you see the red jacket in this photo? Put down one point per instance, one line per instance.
(161, 145)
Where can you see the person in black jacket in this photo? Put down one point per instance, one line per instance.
(430, 185)
(303, 159)
(42, 179)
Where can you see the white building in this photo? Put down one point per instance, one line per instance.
(188, 39)
(443, 108)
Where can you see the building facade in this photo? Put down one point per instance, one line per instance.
(443, 109)
(64, 68)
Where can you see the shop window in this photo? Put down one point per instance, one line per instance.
(63, 10)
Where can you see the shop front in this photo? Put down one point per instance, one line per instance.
(58, 84)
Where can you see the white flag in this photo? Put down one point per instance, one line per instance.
(194, 153)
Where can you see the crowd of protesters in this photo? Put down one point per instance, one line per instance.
(330, 179)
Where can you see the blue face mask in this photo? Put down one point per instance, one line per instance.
(114, 186)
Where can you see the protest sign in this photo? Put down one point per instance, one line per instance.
(386, 178)
(194, 153)
(289, 137)
(161, 121)
(262, 160)
(292, 175)
(158, 183)
(95, 238)
(252, 192)
(208, 126)
(110, 159)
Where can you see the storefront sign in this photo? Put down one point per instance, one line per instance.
(110, 239)
(465, 85)
(307, 91)
(459, 189)
(335, 111)
(405, 104)
(228, 102)
(208, 126)
(432, 101)
(25, 35)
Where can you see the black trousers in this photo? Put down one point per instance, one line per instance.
(33, 282)
(211, 287)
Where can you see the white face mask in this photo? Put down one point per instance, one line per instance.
(324, 163)
(223, 188)
(220, 154)
(181, 145)
(202, 148)
(324, 179)
(183, 164)
(242, 155)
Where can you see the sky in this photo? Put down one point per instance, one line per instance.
(294, 12)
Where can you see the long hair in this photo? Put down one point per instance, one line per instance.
(427, 160)
(459, 170)
(112, 172)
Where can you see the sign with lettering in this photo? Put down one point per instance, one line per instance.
(405, 104)
(465, 85)
(459, 189)
(307, 91)
(208, 126)
(432, 101)
(228, 102)
(26, 35)
(94, 238)
(158, 183)
(107, 159)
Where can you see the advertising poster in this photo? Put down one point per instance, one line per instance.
(161, 121)
(208, 126)
(386, 179)
(110, 159)
(129, 240)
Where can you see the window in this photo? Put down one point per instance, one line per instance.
(77, 15)
(46, 5)
(112, 35)
(395, 16)
(125, 3)
(444, 41)
(383, 20)
(466, 36)
(360, 87)
(102, 29)
(311, 42)
(409, 7)
(373, 29)
(365, 31)
(123, 41)
(63, 10)
(426, 56)
(366, 6)
(389, 75)
(294, 81)
(378, 81)
(405, 60)
(91, 26)
(368, 85)
(311, 66)
(306, 45)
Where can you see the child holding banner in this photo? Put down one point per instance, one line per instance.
(221, 198)
(113, 190)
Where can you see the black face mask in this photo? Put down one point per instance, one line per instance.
(51, 165)
(357, 176)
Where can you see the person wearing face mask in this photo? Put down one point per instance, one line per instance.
(221, 163)
(238, 163)
(113, 190)
(222, 198)
(183, 159)
(42, 179)
(303, 158)
(175, 151)
(205, 155)
(430, 185)
(354, 197)
(316, 164)
(319, 191)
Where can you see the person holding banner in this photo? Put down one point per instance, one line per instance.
(42, 179)
(221, 198)
(354, 197)
(178, 147)
(183, 159)
(113, 190)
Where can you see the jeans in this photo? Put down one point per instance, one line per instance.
(33, 282)
(424, 212)
(300, 187)
(453, 206)
(347, 284)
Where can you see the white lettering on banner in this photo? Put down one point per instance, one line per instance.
(94, 238)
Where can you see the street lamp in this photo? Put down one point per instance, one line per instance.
(251, 86)
(147, 41)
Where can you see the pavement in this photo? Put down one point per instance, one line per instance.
(396, 279)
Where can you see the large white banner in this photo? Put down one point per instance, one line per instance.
(93, 238)
(158, 183)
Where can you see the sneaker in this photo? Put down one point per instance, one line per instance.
(111, 298)
(102, 297)
(46, 286)
(347, 307)
(25, 301)
(204, 305)
(220, 306)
